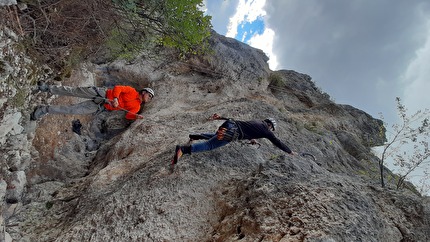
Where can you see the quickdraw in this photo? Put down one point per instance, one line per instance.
(253, 142)
(227, 134)
(304, 154)
(229, 131)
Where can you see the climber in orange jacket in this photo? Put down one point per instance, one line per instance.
(124, 98)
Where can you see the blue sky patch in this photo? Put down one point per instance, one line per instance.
(246, 30)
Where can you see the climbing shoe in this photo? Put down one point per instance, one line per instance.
(179, 151)
(38, 112)
(33, 115)
(178, 154)
(42, 86)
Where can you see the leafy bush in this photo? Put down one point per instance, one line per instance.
(78, 29)
(276, 80)
(179, 24)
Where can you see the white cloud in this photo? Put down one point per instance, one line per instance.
(265, 43)
(203, 7)
(247, 11)
(244, 36)
(226, 4)
(416, 79)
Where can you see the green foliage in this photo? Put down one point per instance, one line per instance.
(276, 80)
(70, 62)
(19, 99)
(123, 45)
(187, 27)
(127, 5)
(128, 28)
(311, 126)
(314, 127)
(372, 168)
(260, 80)
(274, 157)
(54, 29)
(178, 24)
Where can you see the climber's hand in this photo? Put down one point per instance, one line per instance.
(215, 116)
(115, 103)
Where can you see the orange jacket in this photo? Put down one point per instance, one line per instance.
(128, 99)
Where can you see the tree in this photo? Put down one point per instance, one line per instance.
(65, 32)
(187, 28)
(179, 24)
(407, 144)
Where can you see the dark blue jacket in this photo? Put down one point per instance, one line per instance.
(259, 129)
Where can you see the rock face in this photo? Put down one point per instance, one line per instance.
(112, 183)
(7, 2)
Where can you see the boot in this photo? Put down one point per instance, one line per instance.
(178, 154)
(42, 86)
(38, 112)
(179, 151)
(186, 149)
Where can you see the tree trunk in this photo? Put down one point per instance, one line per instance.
(381, 168)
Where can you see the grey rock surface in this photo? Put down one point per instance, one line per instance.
(7, 2)
(112, 182)
(16, 186)
(3, 186)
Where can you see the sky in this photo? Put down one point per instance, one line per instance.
(364, 53)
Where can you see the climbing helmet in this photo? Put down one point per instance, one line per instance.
(150, 91)
(272, 122)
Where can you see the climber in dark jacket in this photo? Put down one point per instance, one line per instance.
(232, 130)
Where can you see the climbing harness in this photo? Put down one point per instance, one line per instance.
(228, 134)
(229, 131)
(99, 100)
(97, 92)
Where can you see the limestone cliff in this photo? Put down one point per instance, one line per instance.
(112, 183)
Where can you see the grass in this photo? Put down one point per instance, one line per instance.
(276, 80)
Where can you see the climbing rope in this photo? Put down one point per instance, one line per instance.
(123, 109)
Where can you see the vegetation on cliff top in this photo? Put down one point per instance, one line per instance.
(62, 33)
